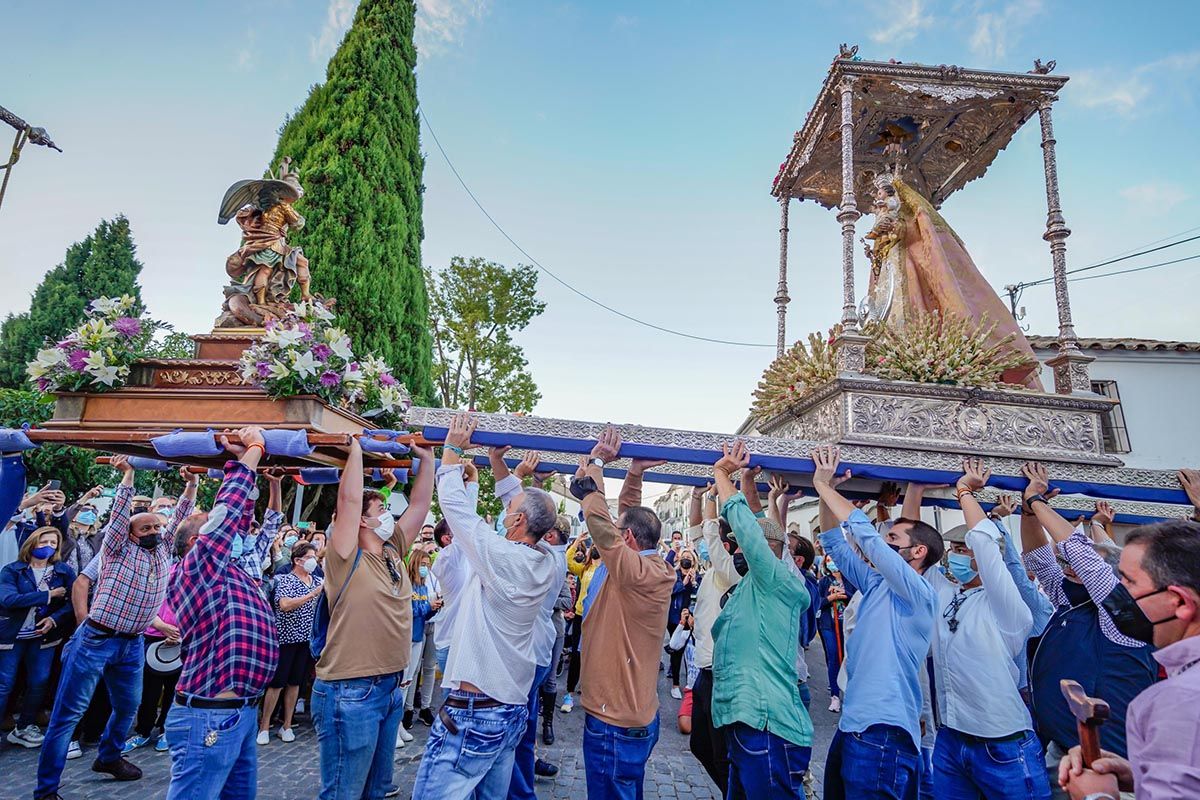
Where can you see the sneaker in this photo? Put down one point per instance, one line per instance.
(567, 705)
(285, 734)
(73, 751)
(161, 745)
(134, 742)
(300, 706)
(544, 769)
(408, 718)
(678, 695)
(426, 717)
(121, 769)
(405, 735)
(264, 737)
(392, 792)
(835, 704)
(399, 741)
(29, 736)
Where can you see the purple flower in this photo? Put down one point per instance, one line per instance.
(329, 378)
(127, 326)
(387, 380)
(65, 344)
(43, 384)
(305, 329)
(354, 366)
(77, 359)
(264, 369)
(270, 324)
(322, 352)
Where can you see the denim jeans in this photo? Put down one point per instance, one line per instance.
(475, 759)
(614, 759)
(521, 785)
(356, 721)
(88, 655)
(228, 767)
(805, 694)
(880, 763)
(833, 660)
(925, 787)
(762, 764)
(965, 768)
(37, 660)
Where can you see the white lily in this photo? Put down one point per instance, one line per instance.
(287, 337)
(95, 332)
(341, 348)
(304, 363)
(105, 305)
(279, 370)
(353, 375)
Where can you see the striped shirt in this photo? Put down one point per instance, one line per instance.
(229, 638)
(133, 580)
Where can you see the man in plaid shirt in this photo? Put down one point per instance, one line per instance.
(136, 562)
(229, 640)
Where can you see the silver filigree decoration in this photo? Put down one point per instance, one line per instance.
(949, 94)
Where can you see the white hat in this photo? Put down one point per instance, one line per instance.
(164, 656)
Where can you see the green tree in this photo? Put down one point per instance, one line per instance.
(102, 265)
(176, 344)
(356, 145)
(475, 307)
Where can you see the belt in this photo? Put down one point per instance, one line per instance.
(107, 631)
(483, 701)
(970, 737)
(218, 702)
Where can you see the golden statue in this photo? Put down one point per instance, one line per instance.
(920, 266)
(265, 267)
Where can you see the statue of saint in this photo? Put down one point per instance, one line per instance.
(919, 265)
(265, 267)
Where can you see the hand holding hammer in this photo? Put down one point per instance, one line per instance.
(1086, 769)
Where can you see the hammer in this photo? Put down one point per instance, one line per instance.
(1090, 713)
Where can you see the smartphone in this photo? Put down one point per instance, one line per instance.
(54, 485)
(303, 525)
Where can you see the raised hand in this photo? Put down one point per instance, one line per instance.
(1039, 479)
(889, 494)
(120, 463)
(608, 446)
(1104, 513)
(462, 428)
(975, 475)
(1189, 479)
(528, 464)
(1005, 505)
(734, 456)
(639, 465)
(826, 459)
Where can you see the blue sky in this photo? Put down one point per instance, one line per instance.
(628, 147)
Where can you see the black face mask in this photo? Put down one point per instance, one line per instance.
(140, 510)
(594, 554)
(739, 563)
(149, 541)
(901, 550)
(1128, 616)
(686, 563)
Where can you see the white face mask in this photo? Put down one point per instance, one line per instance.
(387, 525)
(310, 564)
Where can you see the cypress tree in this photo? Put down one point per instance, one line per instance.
(356, 145)
(102, 265)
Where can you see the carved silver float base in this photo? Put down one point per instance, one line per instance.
(954, 419)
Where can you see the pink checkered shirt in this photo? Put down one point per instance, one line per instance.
(133, 580)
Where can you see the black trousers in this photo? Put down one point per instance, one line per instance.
(571, 648)
(708, 742)
(158, 692)
(676, 666)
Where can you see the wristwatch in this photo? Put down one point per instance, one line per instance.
(599, 462)
(1037, 498)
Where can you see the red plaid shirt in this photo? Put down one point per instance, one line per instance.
(228, 629)
(133, 580)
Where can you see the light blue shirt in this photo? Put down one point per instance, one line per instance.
(1039, 605)
(892, 632)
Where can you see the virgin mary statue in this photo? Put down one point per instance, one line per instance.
(919, 265)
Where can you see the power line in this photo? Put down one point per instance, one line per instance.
(1135, 269)
(1111, 261)
(537, 264)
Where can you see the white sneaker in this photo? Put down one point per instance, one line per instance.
(399, 741)
(74, 750)
(405, 735)
(300, 706)
(29, 736)
(835, 704)
(286, 734)
(567, 704)
(264, 737)
(678, 695)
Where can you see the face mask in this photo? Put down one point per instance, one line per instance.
(739, 563)
(423, 572)
(43, 552)
(290, 541)
(831, 565)
(87, 518)
(238, 546)
(594, 553)
(1128, 616)
(686, 563)
(310, 564)
(387, 526)
(148, 542)
(141, 510)
(901, 550)
(960, 568)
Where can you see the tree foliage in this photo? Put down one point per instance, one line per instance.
(176, 344)
(475, 307)
(356, 144)
(102, 265)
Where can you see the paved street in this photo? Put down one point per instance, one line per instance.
(290, 771)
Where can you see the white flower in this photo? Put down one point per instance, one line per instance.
(353, 375)
(95, 332)
(341, 348)
(105, 305)
(373, 366)
(46, 360)
(279, 370)
(284, 337)
(321, 312)
(304, 363)
(96, 366)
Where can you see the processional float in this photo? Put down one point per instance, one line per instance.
(896, 139)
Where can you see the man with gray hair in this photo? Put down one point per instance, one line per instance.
(493, 654)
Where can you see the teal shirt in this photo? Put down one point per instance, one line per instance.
(756, 637)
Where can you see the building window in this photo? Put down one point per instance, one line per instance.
(1116, 437)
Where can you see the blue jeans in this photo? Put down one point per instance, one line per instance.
(880, 763)
(228, 767)
(37, 660)
(521, 785)
(965, 768)
(833, 660)
(805, 694)
(615, 758)
(925, 787)
(762, 764)
(475, 759)
(356, 721)
(88, 656)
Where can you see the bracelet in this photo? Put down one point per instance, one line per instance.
(453, 448)
(958, 494)
(262, 451)
(1037, 498)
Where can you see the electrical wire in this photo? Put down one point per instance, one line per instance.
(1134, 269)
(1112, 261)
(538, 264)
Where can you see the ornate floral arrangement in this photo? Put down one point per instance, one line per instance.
(96, 356)
(931, 348)
(305, 353)
(797, 372)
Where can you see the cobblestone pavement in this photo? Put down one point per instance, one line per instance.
(290, 771)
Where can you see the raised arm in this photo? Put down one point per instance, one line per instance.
(913, 496)
(420, 500)
(1101, 524)
(975, 477)
(343, 533)
(748, 482)
(631, 489)
(695, 517)
(116, 533)
(767, 570)
(1037, 500)
(233, 510)
(722, 561)
(833, 508)
(1013, 617)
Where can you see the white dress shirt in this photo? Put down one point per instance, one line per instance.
(973, 669)
(717, 581)
(500, 603)
(451, 569)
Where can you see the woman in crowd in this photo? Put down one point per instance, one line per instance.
(35, 616)
(687, 582)
(424, 605)
(684, 643)
(834, 592)
(582, 560)
(295, 603)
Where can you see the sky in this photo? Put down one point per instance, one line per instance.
(628, 147)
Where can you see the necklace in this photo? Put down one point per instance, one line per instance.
(951, 612)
